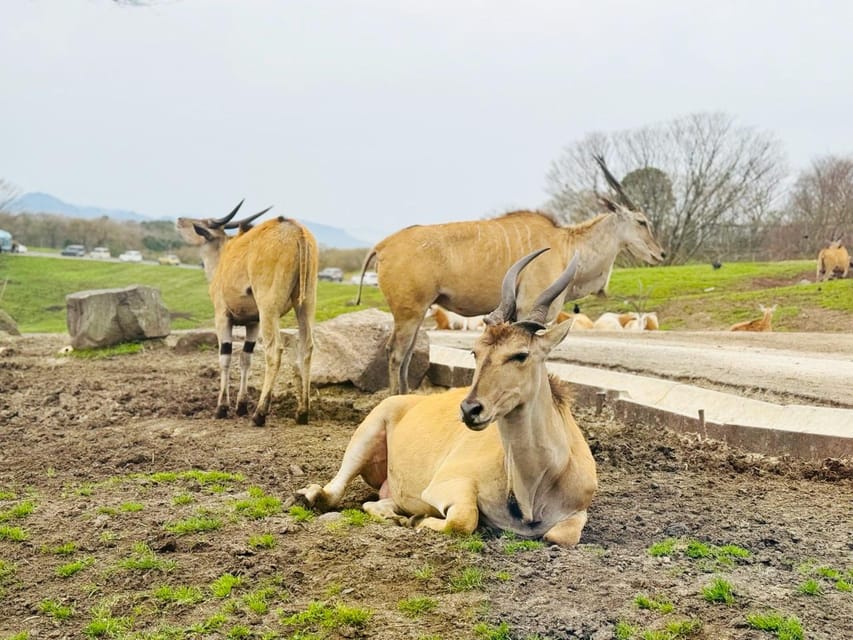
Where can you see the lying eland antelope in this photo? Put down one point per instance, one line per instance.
(255, 278)
(506, 453)
(459, 265)
(832, 262)
(764, 323)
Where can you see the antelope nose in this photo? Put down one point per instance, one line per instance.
(471, 410)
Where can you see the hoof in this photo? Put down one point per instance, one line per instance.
(221, 411)
(302, 417)
(259, 419)
(242, 408)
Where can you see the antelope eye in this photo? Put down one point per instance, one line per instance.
(517, 357)
(643, 223)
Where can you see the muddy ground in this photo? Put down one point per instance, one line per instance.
(84, 445)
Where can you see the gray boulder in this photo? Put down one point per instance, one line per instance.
(105, 317)
(351, 348)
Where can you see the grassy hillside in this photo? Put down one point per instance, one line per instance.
(693, 297)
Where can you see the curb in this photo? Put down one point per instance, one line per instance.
(806, 432)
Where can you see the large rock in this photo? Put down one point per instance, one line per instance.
(105, 317)
(351, 348)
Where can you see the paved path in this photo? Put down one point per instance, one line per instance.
(805, 368)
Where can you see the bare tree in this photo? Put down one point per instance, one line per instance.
(821, 202)
(8, 193)
(697, 174)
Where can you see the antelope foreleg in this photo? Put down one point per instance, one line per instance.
(225, 345)
(245, 366)
(567, 533)
(457, 500)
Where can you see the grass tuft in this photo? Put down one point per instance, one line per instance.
(262, 541)
(653, 604)
(72, 568)
(301, 514)
(225, 584)
(56, 610)
(13, 534)
(489, 632)
(468, 579)
(719, 590)
(193, 524)
(785, 627)
(416, 606)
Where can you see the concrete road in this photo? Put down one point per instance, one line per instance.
(804, 368)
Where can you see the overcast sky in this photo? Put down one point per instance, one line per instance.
(372, 115)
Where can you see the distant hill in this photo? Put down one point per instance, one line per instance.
(37, 202)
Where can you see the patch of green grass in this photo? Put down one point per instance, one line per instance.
(784, 627)
(7, 571)
(719, 590)
(64, 549)
(131, 507)
(653, 604)
(210, 625)
(13, 534)
(262, 541)
(193, 524)
(238, 632)
(225, 584)
(696, 549)
(108, 538)
(258, 505)
(105, 625)
(182, 595)
(624, 631)
(416, 606)
(182, 498)
(515, 546)
(320, 615)
(503, 576)
(489, 632)
(468, 579)
(684, 628)
(663, 548)
(810, 587)
(23, 635)
(101, 353)
(56, 610)
(301, 514)
(71, 568)
(258, 601)
(17, 511)
(144, 559)
(6, 494)
(107, 511)
(843, 585)
(472, 542)
(85, 490)
(356, 517)
(426, 572)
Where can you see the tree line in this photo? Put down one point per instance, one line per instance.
(713, 190)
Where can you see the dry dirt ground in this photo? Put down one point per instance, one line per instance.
(101, 460)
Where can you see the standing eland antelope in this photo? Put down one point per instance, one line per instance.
(255, 278)
(505, 452)
(459, 265)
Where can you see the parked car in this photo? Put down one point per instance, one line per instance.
(332, 274)
(170, 259)
(76, 250)
(100, 253)
(131, 256)
(370, 279)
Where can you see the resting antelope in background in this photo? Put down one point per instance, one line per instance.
(764, 323)
(459, 265)
(255, 278)
(832, 262)
(505, 453)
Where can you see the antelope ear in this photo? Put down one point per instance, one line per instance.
(202, 231)
(608, 204)
(554, 335)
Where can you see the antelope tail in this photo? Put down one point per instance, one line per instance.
(367, 260)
